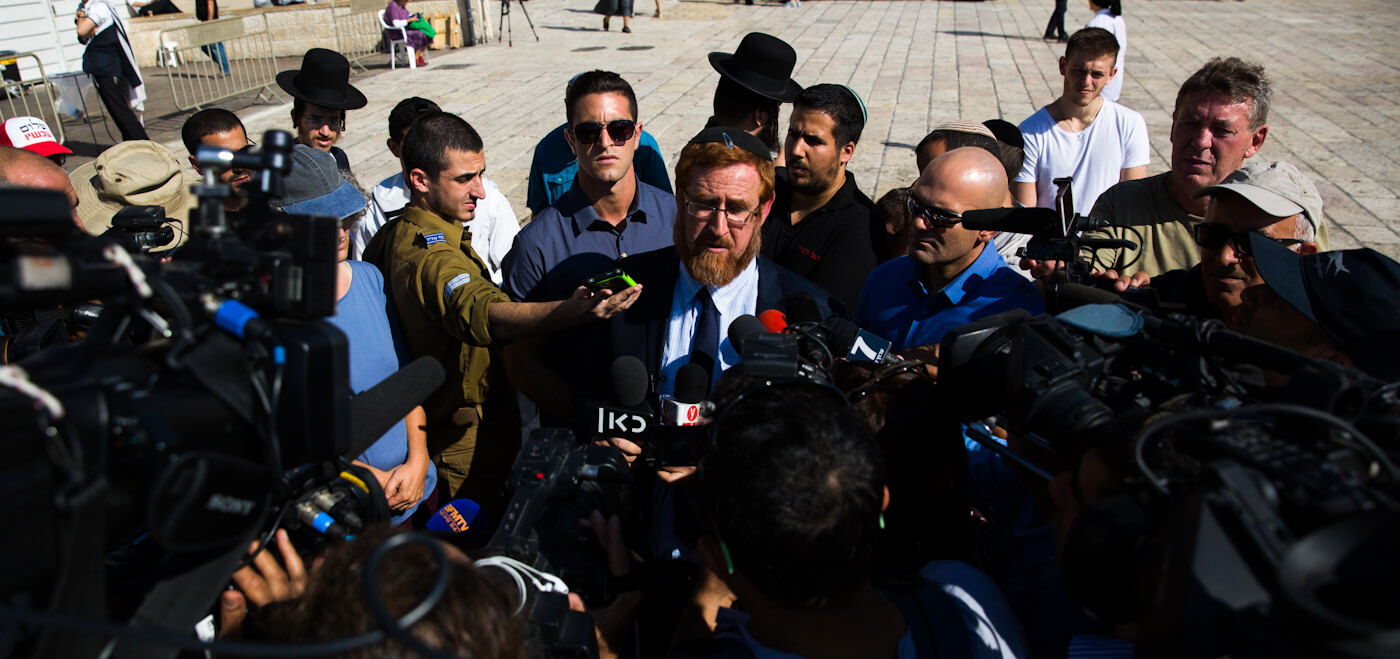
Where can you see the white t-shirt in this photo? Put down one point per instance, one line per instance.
(1115, 24)
(493, 229)
(101, 14)
(1095, 156)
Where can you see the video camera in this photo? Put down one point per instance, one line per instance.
(1247, 523)
(206, 405)
(1058, 235)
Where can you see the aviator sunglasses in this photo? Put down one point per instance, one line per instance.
(619, 130)
(1214, 236)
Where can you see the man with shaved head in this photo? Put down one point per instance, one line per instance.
(25, 169)
(949, 278)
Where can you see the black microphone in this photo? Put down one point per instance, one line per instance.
(740, 330)
(802, 308)
(376, 410)
(628, 415)
(851, 342)
(1031, 220)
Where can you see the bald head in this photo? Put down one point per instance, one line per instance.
(971, 175)
(964, 179)
(31, 170)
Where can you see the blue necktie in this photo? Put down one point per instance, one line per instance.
(704, 349)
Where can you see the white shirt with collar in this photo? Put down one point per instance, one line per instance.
(493, 229)
(732, 300)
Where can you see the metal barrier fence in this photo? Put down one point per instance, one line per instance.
(52, 99)
(358, 32)
(211, 61)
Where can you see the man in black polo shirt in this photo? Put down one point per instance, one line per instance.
(820, 226)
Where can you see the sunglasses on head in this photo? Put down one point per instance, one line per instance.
(619, 130)
(931, 216)
(1214, 236)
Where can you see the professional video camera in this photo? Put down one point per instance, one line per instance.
(1242, 528)
(205, 406)
(1058, 235)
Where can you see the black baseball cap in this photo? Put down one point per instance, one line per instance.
(1353, 295)
(733, 137)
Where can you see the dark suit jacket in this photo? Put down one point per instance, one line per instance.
(641, 330)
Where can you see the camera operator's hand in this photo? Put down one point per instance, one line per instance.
(630, 449)
(1041, 270)
(927, 354)
(604, 304)
(406, 481)
(262, 582)
(1122, 283)
(612, 622)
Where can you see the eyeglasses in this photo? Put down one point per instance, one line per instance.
(931, 216)
(314, 121)
(737, 218)
(1214, 236)
(620, 130)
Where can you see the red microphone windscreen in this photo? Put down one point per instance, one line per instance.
(773, 320)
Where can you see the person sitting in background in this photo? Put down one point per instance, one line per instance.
(396, 14)
(398, 459)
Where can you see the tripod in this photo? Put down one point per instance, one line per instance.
(505, 23)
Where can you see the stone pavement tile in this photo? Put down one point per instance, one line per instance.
(1336, 74)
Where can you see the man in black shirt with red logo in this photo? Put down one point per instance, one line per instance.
(821, 223)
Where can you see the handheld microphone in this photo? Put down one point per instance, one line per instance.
(374, 411)
(687, 405)
(856, 344)
(455, 517)
(774, 320)
(629, 416)
(741, 329)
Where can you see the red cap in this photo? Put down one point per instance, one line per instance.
(31, 133)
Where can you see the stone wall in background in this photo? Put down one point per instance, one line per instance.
(294, 29)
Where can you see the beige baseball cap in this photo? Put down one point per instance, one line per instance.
(134, 173)
(1277, 188)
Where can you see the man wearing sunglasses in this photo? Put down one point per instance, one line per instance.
(608, 213)
(949, 278)
(221, 129)
(1271, 199)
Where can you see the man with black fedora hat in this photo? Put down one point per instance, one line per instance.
(321, 93)
(754, 80)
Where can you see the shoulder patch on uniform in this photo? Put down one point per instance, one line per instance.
(463, 278)
(436, 237)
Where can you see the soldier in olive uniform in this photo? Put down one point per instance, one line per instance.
(450, 310)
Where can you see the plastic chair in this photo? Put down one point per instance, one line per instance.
(397, 36)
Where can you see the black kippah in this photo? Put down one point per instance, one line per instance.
(733, 137)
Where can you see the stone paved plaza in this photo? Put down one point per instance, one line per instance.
(1336, 108)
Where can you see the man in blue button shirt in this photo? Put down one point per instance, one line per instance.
(948, 279)
(609, 213)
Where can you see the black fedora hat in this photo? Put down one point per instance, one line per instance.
(324, 80)
(761, 64)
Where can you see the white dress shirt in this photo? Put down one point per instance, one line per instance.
(732, 300)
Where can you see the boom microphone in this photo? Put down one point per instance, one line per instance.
(376, 410)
